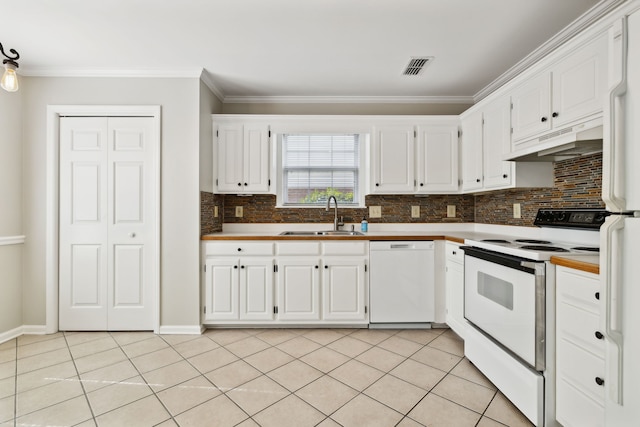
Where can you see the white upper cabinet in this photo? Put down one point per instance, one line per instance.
(392, 168)
(567, 92)
(496, 139)
(471, 157)
(242, 157)
(437, 159)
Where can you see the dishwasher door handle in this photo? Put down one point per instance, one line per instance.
(401, 246)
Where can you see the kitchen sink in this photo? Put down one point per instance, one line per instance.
(322, 233)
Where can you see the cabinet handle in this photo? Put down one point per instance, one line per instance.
(239, 184)
(505, 176)
(597, 295)
(599, 335)
(555, 114)
(599, 381)
(544, 119)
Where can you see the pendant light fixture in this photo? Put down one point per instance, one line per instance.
(9, 80)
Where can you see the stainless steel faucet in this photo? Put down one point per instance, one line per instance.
(335, 212)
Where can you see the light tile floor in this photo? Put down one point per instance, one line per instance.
(248, 377)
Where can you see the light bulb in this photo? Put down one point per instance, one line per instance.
(9, 79)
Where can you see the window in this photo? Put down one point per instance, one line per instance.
(317, 166)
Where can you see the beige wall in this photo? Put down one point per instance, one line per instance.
(180, 198)
(337, 108)
(10, 209)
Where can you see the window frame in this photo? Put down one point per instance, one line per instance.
(363, 144)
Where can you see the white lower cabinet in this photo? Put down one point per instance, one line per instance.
(292, 282)
(298, 288)
(454, 278)
(580, 362)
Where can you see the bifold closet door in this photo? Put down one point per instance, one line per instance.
(107, 223)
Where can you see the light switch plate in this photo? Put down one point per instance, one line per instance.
(415, 211)
(215, 212)
(239, 212)
(375, 212)
(516, 210)
(451, 211)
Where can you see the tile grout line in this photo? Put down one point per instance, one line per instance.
(15, 385)
(84, 392)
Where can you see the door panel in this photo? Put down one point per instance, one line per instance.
(86, 275)
(128, 201)
(256, 289)
(343, 288)
(298, 289)
(86, 192)
(128, 283)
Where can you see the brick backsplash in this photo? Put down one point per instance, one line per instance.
(577, 184)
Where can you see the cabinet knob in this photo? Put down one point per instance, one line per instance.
(555, 114)
(132, 235)
(599, 335)
(239, 249)
(326, 266)
(478, 180)
(597, 295)
(235, 266)
(242, 266)
(544, 119)
(239, 184)
(377, 185)
(317, 266)
(422, 184)
(454, 252)
(505, 176)
(245, 184)
(599, 381)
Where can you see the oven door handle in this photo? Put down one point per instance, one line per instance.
(510, 261)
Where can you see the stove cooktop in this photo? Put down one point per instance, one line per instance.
(537, 250)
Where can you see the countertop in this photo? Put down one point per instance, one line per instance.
(588, 263)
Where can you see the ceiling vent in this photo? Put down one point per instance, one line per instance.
(417, 65)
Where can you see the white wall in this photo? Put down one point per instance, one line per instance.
(180, 200)
(10, 209)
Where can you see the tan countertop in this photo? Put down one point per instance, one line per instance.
(588, 263)
(457, 237)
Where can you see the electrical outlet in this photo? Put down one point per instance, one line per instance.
(239, 212)
(215, 212)
(516, 210)
(451, 211)
(375, 212)
(415, 211)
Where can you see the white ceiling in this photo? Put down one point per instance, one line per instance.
(289, 48)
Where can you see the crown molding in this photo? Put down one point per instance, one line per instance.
(143, 73)
(580, 24)
(208, 81)
(348, 100)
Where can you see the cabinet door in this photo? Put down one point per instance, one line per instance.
(392, 162)
(531, 107)
(256, 289)
(230, 157)
(454, 278)
(221, 289)
(299, 288)
(256, 158)
(472, 152)
(437, 160)
(343, 289)
(579, 83)
(496, 141)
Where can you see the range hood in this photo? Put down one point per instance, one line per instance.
(562, 144)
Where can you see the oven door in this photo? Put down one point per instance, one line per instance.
(504, 297)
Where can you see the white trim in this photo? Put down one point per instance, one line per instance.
(208, 80)
(182, 330)
(22, 330)
(11, 240)
(143, 73)
(54, 112)
(348, 100)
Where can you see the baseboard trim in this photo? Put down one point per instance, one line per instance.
(22, 330)
(186, 330)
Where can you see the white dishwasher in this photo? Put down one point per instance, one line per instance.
(401, 284)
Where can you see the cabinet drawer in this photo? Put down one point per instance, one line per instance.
(575, 409)
(580, 368)
(239, 248)
(345, 248)
(578, 288)
(580, 327)
(454, 253)
(298, 248)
